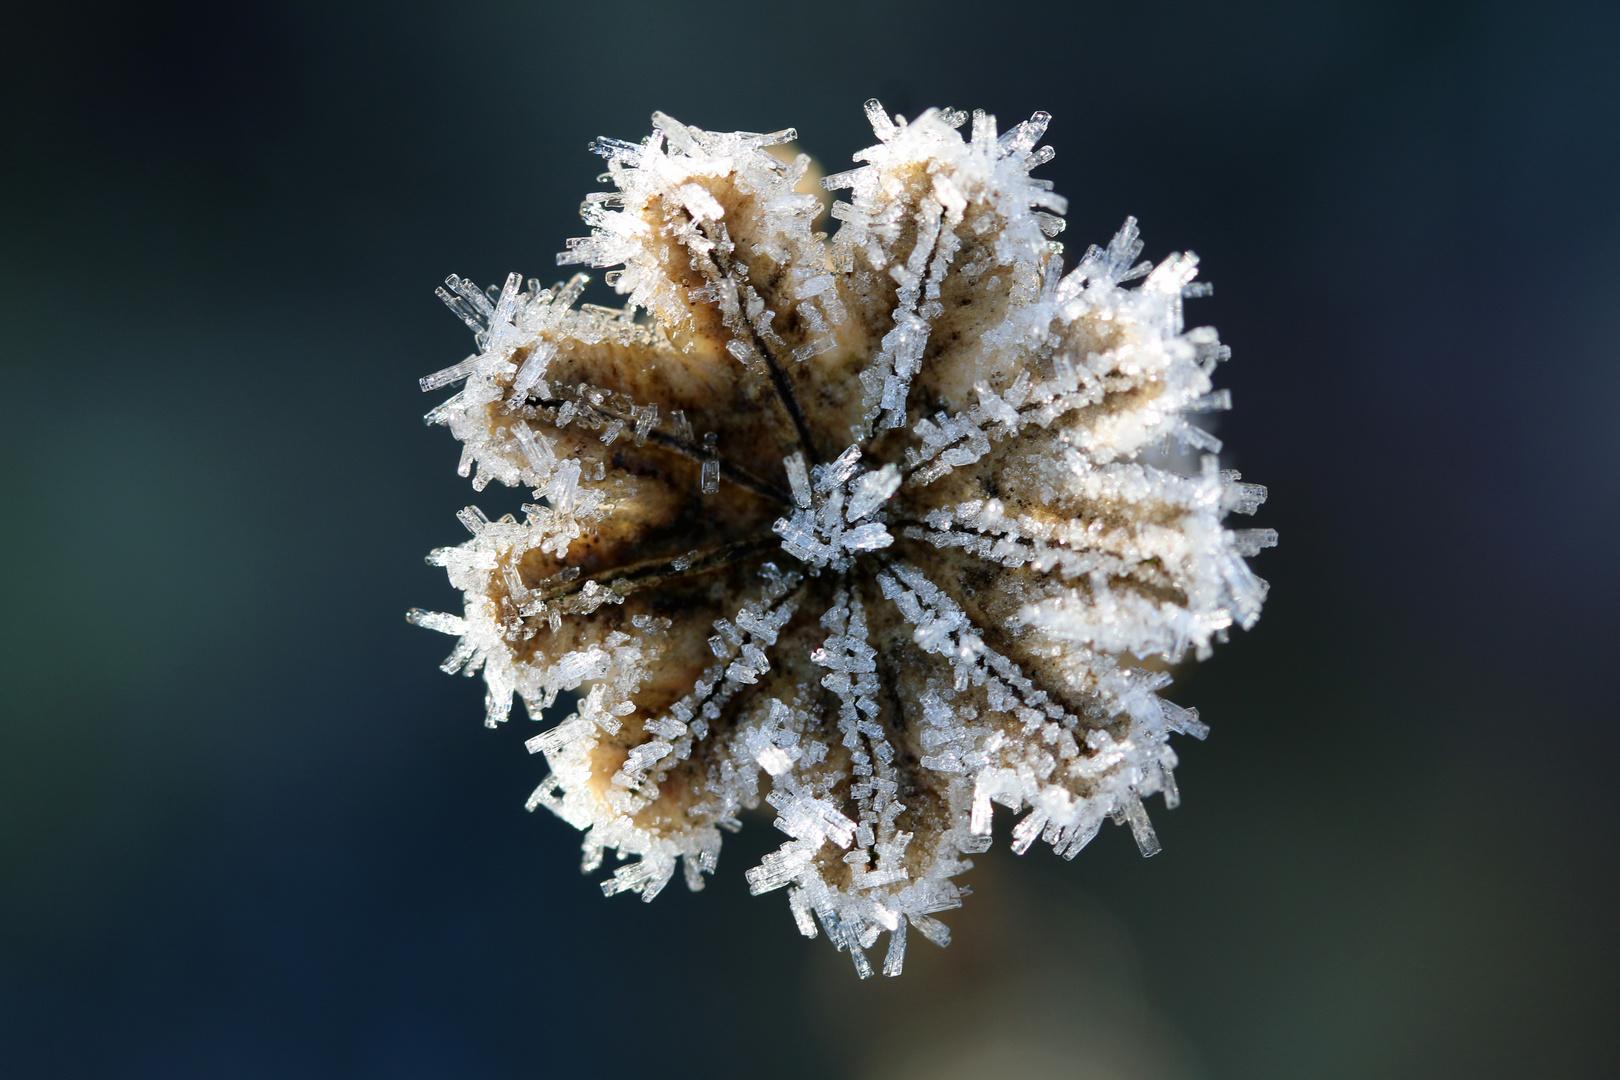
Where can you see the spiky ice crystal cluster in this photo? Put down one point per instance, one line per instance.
(876, 530)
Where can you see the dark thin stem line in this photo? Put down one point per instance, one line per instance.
(779, 379)
(729, 471)
(733, 473)
(654, 571)
(784, 391)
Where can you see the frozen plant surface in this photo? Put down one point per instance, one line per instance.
(879, 530)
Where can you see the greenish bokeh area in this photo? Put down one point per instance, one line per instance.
(248, 829)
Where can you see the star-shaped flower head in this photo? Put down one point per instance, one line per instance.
(879, 531)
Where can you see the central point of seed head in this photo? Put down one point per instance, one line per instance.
(828, 528)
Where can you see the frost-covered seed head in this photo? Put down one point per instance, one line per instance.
(877, 530)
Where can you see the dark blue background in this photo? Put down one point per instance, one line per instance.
(247, 829)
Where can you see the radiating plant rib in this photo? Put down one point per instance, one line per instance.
(730, 471)
(650, 573)
(873, 532)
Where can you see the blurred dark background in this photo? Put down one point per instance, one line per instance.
(247, 829)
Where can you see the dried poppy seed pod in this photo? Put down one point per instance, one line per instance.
(875, 530)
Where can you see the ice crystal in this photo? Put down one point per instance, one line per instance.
(878, 531)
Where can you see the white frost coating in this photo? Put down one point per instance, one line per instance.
(879, 532)
(982, 172)
(828, 528)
